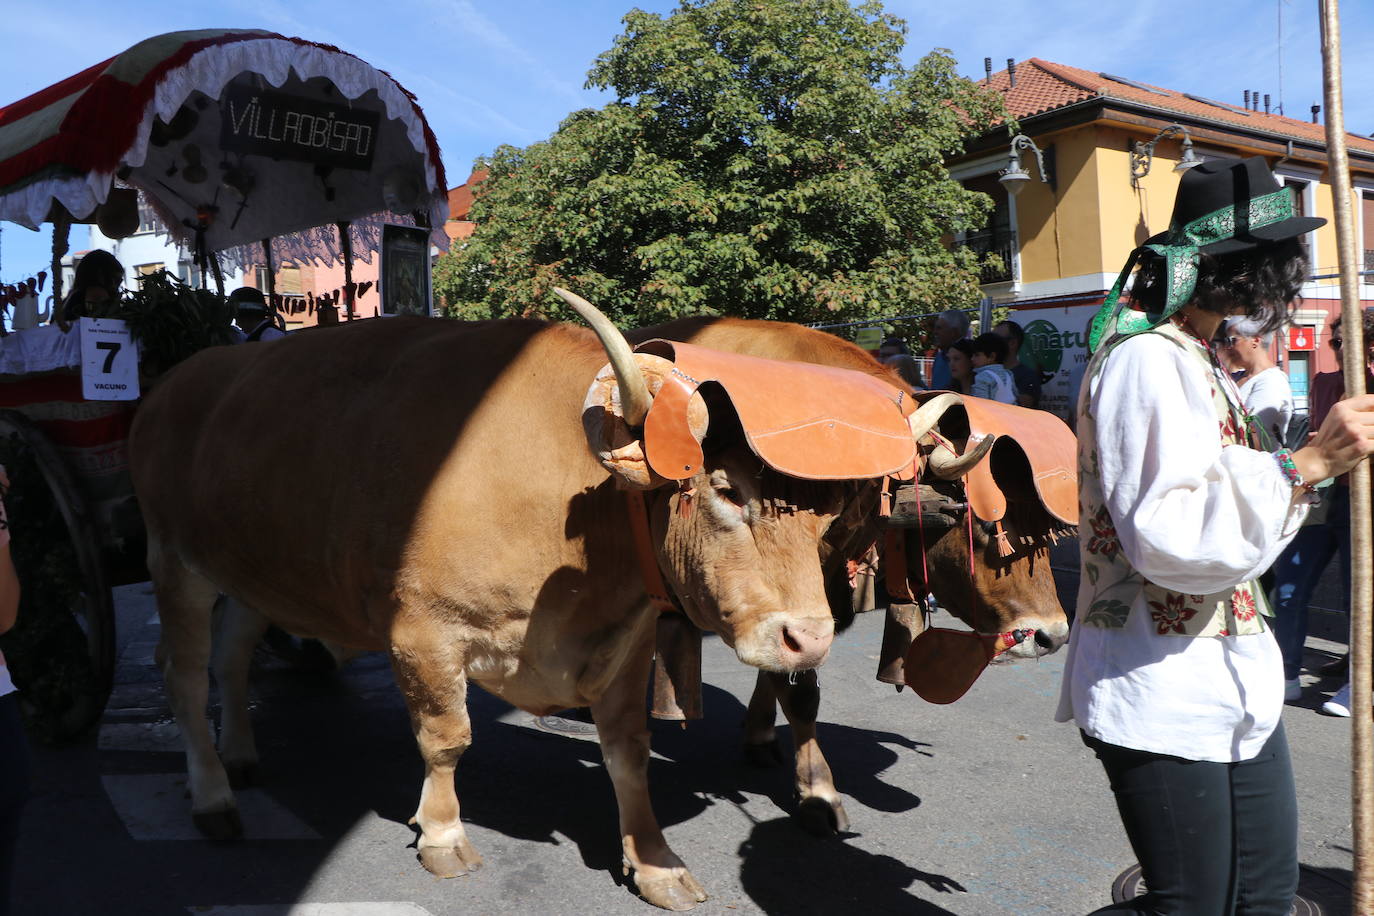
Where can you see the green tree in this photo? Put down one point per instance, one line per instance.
(764, 158)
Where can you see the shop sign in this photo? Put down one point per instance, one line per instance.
(869, 338)
(1056, 345)
(285, 126)
(1302, 338)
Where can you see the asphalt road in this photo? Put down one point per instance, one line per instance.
(983, 807)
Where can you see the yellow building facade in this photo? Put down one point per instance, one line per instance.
(1109, 147)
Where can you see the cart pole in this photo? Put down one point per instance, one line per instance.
(271, 290)
(1353, 361)
(346, 249)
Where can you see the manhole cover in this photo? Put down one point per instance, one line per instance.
(570, 723)
(1318, 893)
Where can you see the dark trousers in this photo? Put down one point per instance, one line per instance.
(1213, 839)
(1298, 570)
(14, 789)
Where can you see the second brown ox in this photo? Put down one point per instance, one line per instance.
(989, 591)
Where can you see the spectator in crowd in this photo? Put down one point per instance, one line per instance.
(255, 318)
(1243, 349)
(960, 361)
(1264, 389)
(950, 326)
(991, 379)
(98, 279)
(1027, 379)
(14, 759)
(890, 347)
(894, 353)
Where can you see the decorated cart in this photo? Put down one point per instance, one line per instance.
(251, 148)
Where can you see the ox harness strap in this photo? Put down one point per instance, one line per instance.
(659, 594)
(677, 641)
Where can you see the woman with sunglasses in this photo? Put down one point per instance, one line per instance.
(1171, 674)
(1244, 347)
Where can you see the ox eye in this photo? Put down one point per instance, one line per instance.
(731, 495)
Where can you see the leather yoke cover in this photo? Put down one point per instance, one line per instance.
(802, 420)
(1033, 439)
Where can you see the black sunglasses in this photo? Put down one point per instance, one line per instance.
(1335, 343)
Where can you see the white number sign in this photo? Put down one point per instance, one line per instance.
(109, 361)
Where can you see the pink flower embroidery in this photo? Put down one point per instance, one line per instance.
(1103, 540)
(1243, 605)
(1171, 615)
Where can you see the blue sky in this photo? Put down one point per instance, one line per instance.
(489, 72)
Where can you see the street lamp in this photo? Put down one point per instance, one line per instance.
(1014, 177)
(1143, 153)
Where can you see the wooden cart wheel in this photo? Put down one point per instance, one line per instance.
(61, 651)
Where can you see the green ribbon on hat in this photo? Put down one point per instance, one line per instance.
(1181, 250)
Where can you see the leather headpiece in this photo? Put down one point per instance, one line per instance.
(802, 420)
(1035, 455)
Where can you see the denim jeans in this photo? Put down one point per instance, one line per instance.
(1298, 570)
(1213, 839)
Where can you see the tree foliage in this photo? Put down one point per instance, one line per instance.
(763, 158)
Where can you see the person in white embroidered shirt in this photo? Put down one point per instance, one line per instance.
(14, 761)
(1172, 675)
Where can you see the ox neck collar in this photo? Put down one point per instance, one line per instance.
(660, 596)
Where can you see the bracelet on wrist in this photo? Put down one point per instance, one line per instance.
(1284, 457)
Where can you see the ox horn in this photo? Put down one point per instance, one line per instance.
(948, 466)
(929, 414)
(634, 391)
(943, 462)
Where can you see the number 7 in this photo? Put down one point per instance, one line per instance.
(111, 345)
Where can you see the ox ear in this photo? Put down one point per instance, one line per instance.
(619, 446)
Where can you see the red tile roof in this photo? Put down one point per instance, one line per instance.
(1043, 86)
(460, 198)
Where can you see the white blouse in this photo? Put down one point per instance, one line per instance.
(1270, 398)
(1193, 517)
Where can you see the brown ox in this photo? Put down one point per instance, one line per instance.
(454, 516)
(990, 592)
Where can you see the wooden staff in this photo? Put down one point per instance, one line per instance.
(1353, 361)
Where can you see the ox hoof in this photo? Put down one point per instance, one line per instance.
(445, 862)
(677, 890)
(822, 817)
(766, 755)
(219, 825)
(242, 775)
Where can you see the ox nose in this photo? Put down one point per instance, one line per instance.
(1048, 641)
(802, 648)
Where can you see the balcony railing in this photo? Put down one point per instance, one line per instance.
(999, 243)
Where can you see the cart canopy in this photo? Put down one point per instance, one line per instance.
(233, 135)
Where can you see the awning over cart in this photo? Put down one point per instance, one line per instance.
(243, 134)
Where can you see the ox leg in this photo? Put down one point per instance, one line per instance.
(820, 810)
(622, 725)
(429, 669)
(240, 629)
(761, 746)
(185, 602)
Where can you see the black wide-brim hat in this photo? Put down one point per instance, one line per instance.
(1219, 184)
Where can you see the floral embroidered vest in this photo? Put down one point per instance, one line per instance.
(1112, 583)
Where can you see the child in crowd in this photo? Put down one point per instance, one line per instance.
(991, 379)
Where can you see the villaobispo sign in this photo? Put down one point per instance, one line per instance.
(286, 126)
